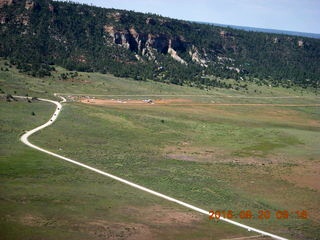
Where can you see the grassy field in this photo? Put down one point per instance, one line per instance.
(223, 157)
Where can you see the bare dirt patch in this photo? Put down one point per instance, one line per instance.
(106, 230)
(107, 102)
(33, 221)
(151, 220)
(213, 155)
(169, 216)
(111, 230)
(305, 175)
(193, 154)
(166, 216)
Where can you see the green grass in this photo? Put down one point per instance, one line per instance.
(215, 157)
(45, 198)
(130, 141)
(14, 82)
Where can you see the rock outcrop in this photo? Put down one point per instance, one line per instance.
(147, 44)
(6, 2)
(196, 57)
(174, 54)
(29, 4)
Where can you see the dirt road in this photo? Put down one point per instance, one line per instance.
(24, 139)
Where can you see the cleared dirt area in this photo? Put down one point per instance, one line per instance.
(106, 102)
(178, 101)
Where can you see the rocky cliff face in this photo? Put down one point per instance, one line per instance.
(145, 43)
(197, 57)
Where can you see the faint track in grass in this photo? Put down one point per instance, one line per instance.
(26, 135)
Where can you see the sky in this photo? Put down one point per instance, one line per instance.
(291, 15)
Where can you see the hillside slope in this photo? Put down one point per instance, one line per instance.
(37, 34)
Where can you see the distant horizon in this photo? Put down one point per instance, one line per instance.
(284, 15)
(266, 30)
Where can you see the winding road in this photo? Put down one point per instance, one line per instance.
(26, 135)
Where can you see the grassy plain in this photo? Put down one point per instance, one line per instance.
(222, 157)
